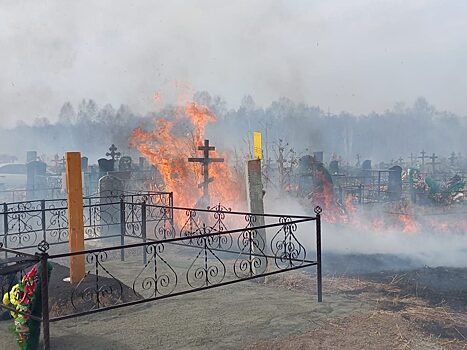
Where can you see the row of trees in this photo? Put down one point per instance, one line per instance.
(380, 136)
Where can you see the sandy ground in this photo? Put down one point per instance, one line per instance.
(282, 313)
(227, 318)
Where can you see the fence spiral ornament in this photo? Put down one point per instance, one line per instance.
(163, 278)
(94, 292)
(287, 250)
(206, 269)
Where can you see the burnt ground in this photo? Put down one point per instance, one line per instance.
(363, 308)
(60, 292)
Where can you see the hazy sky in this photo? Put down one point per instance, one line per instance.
(343, 55)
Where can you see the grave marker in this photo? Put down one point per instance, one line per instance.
(75, 215)
(110, 190)
(205, 161)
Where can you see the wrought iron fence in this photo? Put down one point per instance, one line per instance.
(25, 224)
(175, 251)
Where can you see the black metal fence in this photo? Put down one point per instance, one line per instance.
(174, 251)
(25, 224)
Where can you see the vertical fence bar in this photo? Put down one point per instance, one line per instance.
(5, 227)
(171, 203)
(122, 228)
(45, 301)
(318, 257)
(379, 185)
(143, 229)
(91, 222)
(44, 235)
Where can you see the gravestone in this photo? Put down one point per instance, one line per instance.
(318, 156)
(366, 171)
(36, 182)
(142, 163)
(31, 156)
(110, 190)
(395, 183)
(334, 167)
(105, 166)
(91, 180)
(84, 164)
(125, 163)
(305, 176)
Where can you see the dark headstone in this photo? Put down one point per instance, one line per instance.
(366, 165)
(124, 164)
(318, 156)
(110, 190)
(334, 167)
(84, 164)
(106, 165)
(395, 183)
(366, 171)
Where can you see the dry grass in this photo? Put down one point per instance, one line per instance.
(398, 320)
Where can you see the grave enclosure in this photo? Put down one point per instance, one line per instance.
(171, 250)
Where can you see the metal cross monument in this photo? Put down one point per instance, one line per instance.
(113, 152)
(205, 161)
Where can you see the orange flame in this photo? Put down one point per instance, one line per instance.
(168, 148)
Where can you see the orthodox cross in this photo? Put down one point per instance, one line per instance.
(452, 158)
(205, 161)
(433, 163)
(113, 152)
(423, 157)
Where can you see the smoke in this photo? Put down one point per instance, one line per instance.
(391, 249)
(358, 57)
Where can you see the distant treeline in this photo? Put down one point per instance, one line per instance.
(379, 136)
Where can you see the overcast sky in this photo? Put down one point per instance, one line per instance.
(358, 56)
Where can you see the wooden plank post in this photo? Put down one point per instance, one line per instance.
(74, 190)
(255, 193)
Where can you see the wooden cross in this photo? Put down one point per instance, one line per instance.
(113, 152)
(452, 158)
(423, 157)
(205, 161)
(433, 163)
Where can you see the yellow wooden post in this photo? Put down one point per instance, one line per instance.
(74, 190)
(257, 146)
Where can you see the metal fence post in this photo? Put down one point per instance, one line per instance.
(122, 228)
(45, 300)
(361, 192)
(143, 229)
(171, 202)
(43, 222)
(5, 227)
(318, 254)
